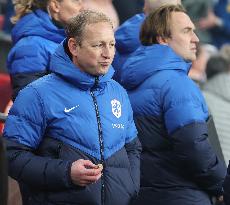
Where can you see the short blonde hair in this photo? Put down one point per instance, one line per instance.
(76, 25)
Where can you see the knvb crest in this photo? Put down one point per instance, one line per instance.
(116, 108)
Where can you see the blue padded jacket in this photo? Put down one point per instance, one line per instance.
(127, 41)
(179, 167)
(35, 38)
(70, 115)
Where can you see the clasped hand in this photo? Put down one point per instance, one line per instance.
(84, 172)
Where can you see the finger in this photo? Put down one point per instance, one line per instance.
(99, 166)
(221, 198)
(92, 172)
(89, 179)
(83, 182)
(88, 164)
(87, 182)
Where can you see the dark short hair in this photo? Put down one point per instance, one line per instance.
(216, 65)
(157, 24)
(76, 25)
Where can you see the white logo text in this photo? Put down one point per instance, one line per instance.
(118, 126)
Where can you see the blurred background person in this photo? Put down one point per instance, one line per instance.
(196, 10)
(125, 12)
(217, 94)
(225, 52)
(106, 7)
(217, 22)
(198, 69)
(216, 64)
(37, 32)
(6, 12)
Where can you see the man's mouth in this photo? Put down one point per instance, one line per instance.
(105, 63)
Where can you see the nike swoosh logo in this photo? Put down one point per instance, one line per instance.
(72, 108)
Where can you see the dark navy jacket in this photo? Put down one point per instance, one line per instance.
(227, 187)
(35, 38)
(178, 165)
(66, 116)
(127, 41)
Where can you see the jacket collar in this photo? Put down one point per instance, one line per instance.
(146, 60)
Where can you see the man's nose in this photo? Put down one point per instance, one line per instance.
(106, 52)
(195, 38)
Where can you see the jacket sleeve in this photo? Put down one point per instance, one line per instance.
(185, 115)
(21, 80)
(39, 172)
(194, 153)
(24, 129)
(133, 148)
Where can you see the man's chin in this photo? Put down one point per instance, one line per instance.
(191, 58)
(103, 71)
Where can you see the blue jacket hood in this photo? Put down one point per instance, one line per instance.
(127, 35)
(62, 65)
(146, 60)
(37, 23)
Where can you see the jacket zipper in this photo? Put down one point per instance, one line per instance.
(101, 142)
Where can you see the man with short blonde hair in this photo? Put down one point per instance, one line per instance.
(76, 143)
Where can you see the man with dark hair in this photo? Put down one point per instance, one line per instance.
(178, 165)
(76, 143)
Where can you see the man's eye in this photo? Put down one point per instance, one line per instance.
(188, 31)
(98, 45)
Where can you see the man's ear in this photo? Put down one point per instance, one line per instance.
(54, 6)
(73, 46)
(162, 41)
